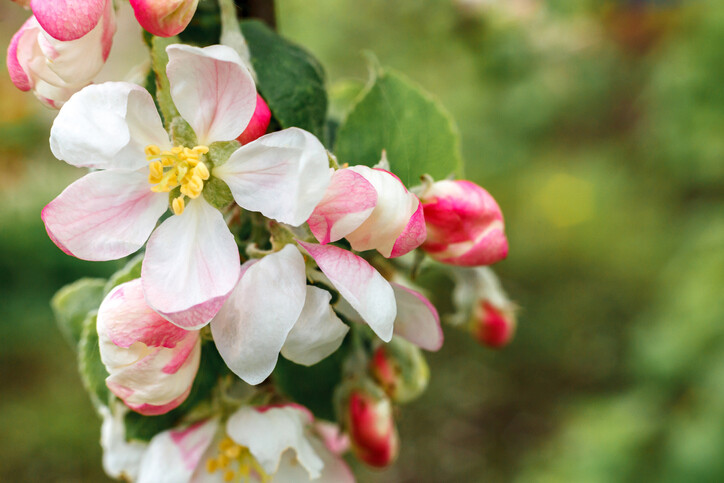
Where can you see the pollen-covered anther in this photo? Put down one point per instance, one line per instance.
(179, 166)
(236, 463)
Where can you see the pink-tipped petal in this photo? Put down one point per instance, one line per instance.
(151, 363)
(282, 175)
(68, 19)
(191, 266)
(105, 215)
(413, 236)
(174, 455)
(253, 324)
(390, 218)
(360, 284)
(20, 51)
(490, 246)
(164, 18)
(108, 126)
(259, 122)
(317, 333)
(346, 204)
(212, 89)
(417, 319)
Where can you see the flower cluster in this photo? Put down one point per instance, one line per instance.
(253, 245)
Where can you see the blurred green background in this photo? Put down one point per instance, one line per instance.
(599, 128)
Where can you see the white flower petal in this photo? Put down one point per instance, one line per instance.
(212, 89)
(105, 215)
(173, 455)
(107, 126)
(269, 432)
(360, 284)
(253, 324)
(282, 175)
(121, 458)
(317, 333)
(417, 319)
(191, 266)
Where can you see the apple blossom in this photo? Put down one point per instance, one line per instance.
(372, 209)
(151, 362)
(164, 18)
(464, 224)
(256, 444)
(59, 50)
(191, 262)
(259, 122)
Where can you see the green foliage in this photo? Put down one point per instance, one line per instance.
(290, 80)
(396, 116)
(312, 386)
(72, 303)
(211, 368)
(131, 271)
(159, 59)
(92, 371)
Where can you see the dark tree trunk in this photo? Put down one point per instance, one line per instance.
(261, 9)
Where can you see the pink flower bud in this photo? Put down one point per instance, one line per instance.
(371, 426)
(400, 369)
(258, 124)
(164, 18)
(464, 224)
(493, 326)
(54, 69)
(372, 209)
(152, 363)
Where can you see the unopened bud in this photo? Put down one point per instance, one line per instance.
(464, 224)
(164, 18)
(367, 416)
(259, 122)
(400, 369)
(493, 326)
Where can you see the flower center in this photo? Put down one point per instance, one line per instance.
(236, 463)
(178, 167)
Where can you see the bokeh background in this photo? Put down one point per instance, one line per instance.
(598, 126)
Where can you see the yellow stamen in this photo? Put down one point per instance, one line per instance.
(178, 204)
(236, 462)
(228, 475)
(179, 166)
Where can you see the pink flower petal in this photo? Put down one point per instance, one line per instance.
(20, 51)
(105, 215)
(413, 236)
(164, 18)
(253, 324)
(347, 203)
(259, 122)
(360, 284)
(282, 175)
(191, 266)
(68, 19)
(417, 319)
(212, 90)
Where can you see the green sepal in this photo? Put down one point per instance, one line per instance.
(395, 115)
(290, 79)
(182, 134)
(92, 371)
(217, 193)
(131, 271)
(159, 59)
(72, 303)
(211, 368)
(313, 386)
(220, 151)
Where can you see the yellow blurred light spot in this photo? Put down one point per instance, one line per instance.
(565, 200)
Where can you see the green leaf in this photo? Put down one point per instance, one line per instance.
(159, 59)
(290, 80)
(399, 117)
(72, 303)
(131, 271)
(92, 371)
(313, 386)
(211, 368)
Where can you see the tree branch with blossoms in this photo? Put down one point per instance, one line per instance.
(253, 225)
